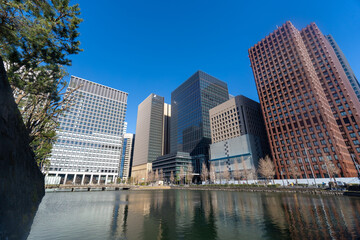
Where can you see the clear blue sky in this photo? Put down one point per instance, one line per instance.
(146, 46)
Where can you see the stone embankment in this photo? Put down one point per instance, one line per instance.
(151, 188)
(107, 187)
(87, 188)
(263, 189)
(21, 182)
(238, 188)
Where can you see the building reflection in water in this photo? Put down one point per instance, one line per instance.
(182, 214)
(227, 215)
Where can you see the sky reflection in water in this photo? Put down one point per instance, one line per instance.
(179, 214)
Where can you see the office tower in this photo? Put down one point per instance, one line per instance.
(345, 65)
(238, 134)
(190, 122)
(149, 136)
(89, 139)
(340, 94)
(126, 156)
(166, 131)
(302, 88)
(125, 128)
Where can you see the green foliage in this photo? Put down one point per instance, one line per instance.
(36, 38)
(42, 145)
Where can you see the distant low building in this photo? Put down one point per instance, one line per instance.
(172, 163)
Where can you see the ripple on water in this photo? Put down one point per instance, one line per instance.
(181, 214)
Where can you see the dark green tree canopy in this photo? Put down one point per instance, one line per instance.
(36, 38)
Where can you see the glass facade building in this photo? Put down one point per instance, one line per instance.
(190, 122)
(90, 135)
(345, 65)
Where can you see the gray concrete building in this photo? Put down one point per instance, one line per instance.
(90, 136)
(238, 134)
(149, 136)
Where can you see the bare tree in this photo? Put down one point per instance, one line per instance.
(245, 171)
(226, 174)
(266, 168)
(156, 177)
(189, 173)
(161, 175)
(236, 172)
(150, 177)
(181, 174)
(172, 178)
(252, 174)
(204, 172)
(294, 170)
(332, 169)
(212, 173)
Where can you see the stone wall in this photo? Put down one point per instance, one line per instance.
(21, 182)
(240, 188)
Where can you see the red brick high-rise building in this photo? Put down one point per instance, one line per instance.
(310, 110)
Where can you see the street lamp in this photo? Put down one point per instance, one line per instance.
(307, 178)
(310, 165)
(282, 177)
(327, 169)
(356, 165)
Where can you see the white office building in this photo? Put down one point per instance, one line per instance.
(126, 156)
(90, 136)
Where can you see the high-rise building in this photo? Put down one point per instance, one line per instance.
(126, 156)
(345, 65)
(90, 135)
(166, 131)
(309, 107)
(238, 134)
(238, 116)
(125, 128)
(341, 96)
(149, 135)
(190, 122)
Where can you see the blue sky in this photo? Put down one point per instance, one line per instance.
(142, 47)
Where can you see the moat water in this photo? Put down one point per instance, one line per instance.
(186, 214)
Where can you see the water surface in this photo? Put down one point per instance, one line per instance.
(186, 214)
